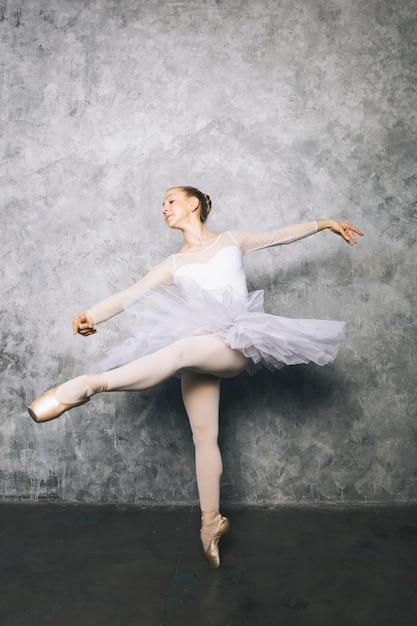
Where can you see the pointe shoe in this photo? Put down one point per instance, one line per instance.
(212, 550)
(47, 407)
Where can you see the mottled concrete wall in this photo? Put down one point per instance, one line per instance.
(282, 111)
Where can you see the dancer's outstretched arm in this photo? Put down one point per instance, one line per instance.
(249, 241)
(85, 323)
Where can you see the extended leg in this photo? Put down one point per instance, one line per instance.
(205, 354)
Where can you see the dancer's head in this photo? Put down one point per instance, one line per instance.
(200, 205)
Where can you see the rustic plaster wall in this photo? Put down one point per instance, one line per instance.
(281, 111)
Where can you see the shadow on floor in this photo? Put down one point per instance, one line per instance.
(86, 565)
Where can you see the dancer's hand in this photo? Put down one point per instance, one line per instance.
(342, 229)
(84, 324)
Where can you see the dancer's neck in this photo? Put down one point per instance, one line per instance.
(197, 237)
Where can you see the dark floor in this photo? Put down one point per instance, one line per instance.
(73, 565)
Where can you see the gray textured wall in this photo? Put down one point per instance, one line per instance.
(281, 110)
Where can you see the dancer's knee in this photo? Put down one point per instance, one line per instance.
(205, 436)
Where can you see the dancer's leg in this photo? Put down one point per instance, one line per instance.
(81, 387)
(205, 354)
(201, 395)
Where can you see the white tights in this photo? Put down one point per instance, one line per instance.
(204, 360)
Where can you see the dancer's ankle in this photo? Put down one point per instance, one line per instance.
(98, 383)
(81, 388)
(210, 519)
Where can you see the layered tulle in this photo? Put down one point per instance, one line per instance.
(168, 313)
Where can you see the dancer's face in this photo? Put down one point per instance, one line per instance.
(177, 207)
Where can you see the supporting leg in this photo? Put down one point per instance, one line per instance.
(201, 395)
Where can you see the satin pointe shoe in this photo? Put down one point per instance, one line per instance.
(47, 407)
(212, 550)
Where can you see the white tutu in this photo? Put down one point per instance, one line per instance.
(168, 313)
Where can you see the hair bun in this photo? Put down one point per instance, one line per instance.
(208, 202)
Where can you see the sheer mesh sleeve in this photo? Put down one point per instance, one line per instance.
(161, 274)
(251, 240)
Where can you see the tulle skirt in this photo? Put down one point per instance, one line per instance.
(168, 313)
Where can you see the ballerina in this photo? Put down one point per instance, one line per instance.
(192, 314)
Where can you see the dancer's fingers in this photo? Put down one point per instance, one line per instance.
(346, 231)
(83, 325)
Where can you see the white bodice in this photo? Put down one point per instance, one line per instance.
(216, 269)
(223, 270)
